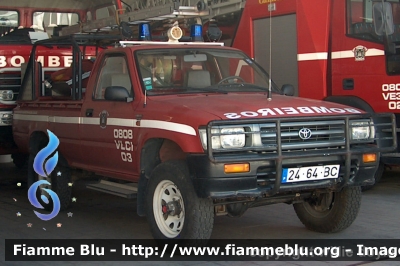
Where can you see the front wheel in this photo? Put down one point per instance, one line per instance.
(330, 212)
(173, 208)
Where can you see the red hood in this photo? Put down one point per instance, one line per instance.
(249, 105)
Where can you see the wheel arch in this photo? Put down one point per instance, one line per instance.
(34, 141)
(155, 151)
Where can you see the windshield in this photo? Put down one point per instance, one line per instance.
(361, 22)
(173, 71)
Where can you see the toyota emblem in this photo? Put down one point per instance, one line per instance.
(305, 133)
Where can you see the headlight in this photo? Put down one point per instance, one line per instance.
(227, 138)
(6, 95)
(360, 130)
(231, 137)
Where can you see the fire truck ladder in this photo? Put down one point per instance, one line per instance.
(158, 10)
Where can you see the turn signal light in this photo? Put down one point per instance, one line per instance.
(237, 168)
(369, 157)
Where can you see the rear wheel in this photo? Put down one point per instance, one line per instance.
(173, 208)
(330, 212)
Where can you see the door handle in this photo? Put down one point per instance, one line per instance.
(89, 112)
(348, 84)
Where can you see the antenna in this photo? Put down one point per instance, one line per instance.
(271, 7)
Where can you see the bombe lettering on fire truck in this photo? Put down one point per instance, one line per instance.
(46, 61)
(291, 111)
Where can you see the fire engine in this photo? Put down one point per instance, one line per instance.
(192, 129)
(345, 51)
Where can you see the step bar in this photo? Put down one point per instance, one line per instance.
(128, 190)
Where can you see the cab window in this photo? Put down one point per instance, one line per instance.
(361, 24)
(114, 72)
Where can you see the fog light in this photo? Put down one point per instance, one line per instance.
(6, 95)
(369, 157)
(6, 119)
(237, 168)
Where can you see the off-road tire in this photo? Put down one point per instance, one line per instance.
(341, 214)
(198, 213)
(59, 184)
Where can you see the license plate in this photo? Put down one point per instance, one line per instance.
(310, 173)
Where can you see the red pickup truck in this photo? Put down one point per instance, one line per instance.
(193, 130)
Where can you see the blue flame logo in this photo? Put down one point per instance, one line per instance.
(40, 158)
(44, 168)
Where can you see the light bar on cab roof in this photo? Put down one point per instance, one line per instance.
(126, 43)
(196, 33)
(144, 32)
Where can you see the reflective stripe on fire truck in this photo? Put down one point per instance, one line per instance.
(312, 56)
(157, 124)
(350, 53)
(337, 55)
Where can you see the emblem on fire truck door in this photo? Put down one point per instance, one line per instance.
(103, 119)
(359, 52)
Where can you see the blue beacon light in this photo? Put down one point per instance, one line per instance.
(144, 32)
(196, 33)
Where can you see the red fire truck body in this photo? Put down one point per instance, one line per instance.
(332, 50)
(17, 21)
(192, 130)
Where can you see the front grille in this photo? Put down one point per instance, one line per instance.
(280, 138)
(11, 81)
(324, 134)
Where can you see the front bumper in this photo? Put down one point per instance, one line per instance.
(264, 178)
(265, 175)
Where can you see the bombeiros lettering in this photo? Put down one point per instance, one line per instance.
(265, 112)
(46, 61)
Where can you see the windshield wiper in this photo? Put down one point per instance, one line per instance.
(244, 85)
(207, 89)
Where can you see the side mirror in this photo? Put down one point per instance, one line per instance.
(117, 93)
(287, 89)
(383, 18)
